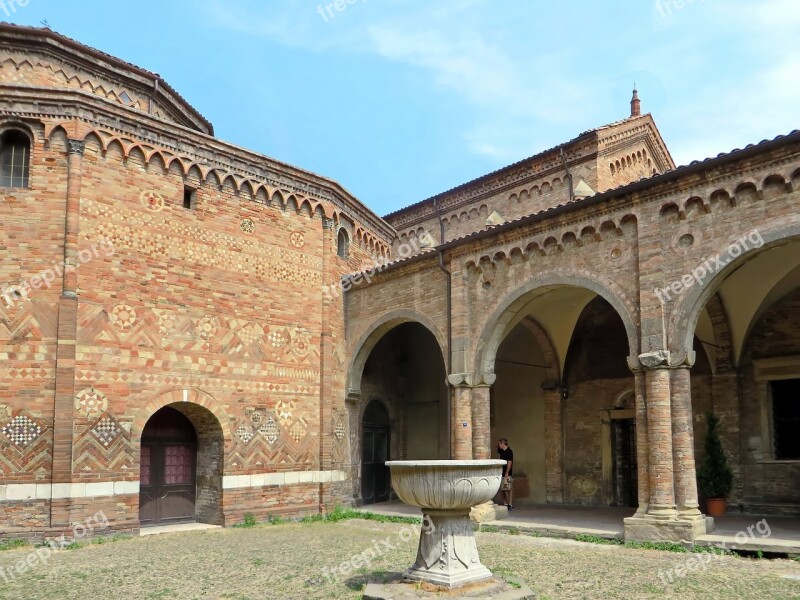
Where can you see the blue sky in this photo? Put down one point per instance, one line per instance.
(401, 99)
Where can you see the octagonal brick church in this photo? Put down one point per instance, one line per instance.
(191, 331)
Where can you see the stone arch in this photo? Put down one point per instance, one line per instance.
(494, 328)
(683, 321)
(180, 396)
(367, 342)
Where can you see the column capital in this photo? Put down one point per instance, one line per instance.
(353, 395)
(471, 379)
(76, 147)
(663, 359)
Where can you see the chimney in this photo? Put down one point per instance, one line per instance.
(636, 104)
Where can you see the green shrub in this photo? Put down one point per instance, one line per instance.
(714, 475)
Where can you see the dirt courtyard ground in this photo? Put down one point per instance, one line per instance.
(304, 561)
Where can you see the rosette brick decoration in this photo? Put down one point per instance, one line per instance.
(446, 490)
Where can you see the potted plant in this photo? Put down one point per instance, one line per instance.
(714, 475)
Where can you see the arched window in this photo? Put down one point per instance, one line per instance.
(15, 156)
(343, 245)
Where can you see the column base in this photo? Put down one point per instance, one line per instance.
(488, 511)
(657, 529)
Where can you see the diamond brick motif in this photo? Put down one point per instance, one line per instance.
(298, 430)
(269, 429)
(245, 433)
(338, 431)
(106, 430)
(21, 431)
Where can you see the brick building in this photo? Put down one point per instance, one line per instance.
(180, 339)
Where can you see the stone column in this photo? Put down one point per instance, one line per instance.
(63, 404)
(461, 422)
(481, 426)
(683, 445)
(659, 434)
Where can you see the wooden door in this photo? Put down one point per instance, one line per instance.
(375, 478)
(168, 465)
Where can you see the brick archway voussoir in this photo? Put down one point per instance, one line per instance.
(685, 315)
(194, 396)
(493, 329)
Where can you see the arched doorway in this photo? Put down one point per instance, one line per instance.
(559, 355)
(168, 468)
(375, 480)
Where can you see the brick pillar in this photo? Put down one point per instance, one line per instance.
(326, 363)
(642, 447)
(553, 446)
(659, 437)
(461, 422)
(481, 431)
(63, 403)
(683, 444)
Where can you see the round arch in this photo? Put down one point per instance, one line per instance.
(495, 327)
(684, 319)
(367, 342)
(181, 396)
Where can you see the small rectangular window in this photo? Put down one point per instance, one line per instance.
(786, 419)
(189, 197)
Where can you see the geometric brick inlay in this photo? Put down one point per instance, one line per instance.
(270, 430)
(106, 430)
(298, 430)
(338, 430)
(245, 433)
(285, 409)
(21, 430)
(91, 402)
(247, 225)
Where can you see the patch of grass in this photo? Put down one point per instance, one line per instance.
(258, 562)
(534, 533)
(249, 521)
(712, 550)
(276, 520)
(489, 528)
(596, 539)
(665, 546)
(513, 531)
(344, 514)
(72, 546)
(10, 544)
(162, 594)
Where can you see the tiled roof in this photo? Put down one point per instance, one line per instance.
(512, 166)
(693, 166)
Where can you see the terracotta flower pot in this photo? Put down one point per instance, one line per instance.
(715, 507)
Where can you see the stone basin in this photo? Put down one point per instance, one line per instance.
(446, 484)
(446, 490)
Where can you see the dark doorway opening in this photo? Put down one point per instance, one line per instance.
(168, 469)
(626, 479)
(375, 479)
